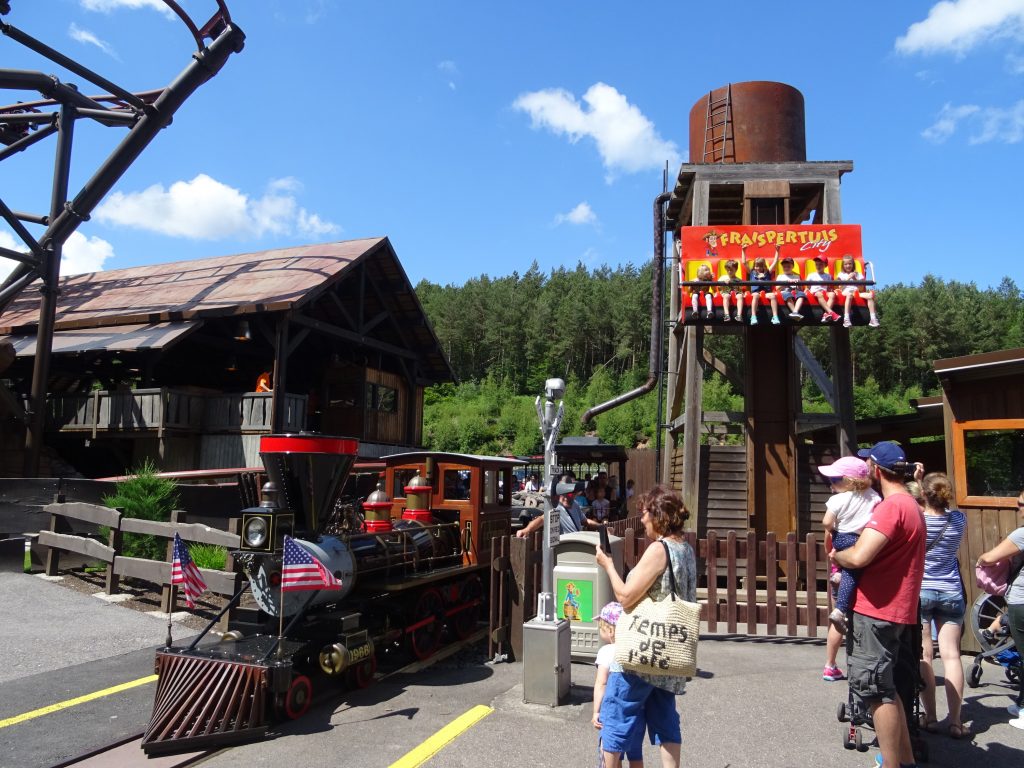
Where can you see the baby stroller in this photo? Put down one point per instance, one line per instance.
(996, 646)
(908, 684)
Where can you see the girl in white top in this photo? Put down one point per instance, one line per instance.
(848, 271)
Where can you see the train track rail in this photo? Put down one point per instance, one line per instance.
(127, 752)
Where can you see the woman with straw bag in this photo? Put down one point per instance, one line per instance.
(642, 699)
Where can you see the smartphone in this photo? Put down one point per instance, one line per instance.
(606, 545)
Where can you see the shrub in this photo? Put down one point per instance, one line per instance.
(208, 556)
(148, 497)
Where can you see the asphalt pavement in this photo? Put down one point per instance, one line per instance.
(756, 702)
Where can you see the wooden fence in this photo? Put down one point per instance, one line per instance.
(778, 602)
(58, 539)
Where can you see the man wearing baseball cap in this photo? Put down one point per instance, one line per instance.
(890, 554)
(570, 516)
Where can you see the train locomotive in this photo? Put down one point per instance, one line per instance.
(403, 583)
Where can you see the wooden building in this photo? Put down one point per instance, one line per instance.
(189, 363)
(983, 415)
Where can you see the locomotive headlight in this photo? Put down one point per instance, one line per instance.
(256, 532)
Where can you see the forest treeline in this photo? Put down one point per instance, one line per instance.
(504, 336)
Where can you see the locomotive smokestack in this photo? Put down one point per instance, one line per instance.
(309, 472)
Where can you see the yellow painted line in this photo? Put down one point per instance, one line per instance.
(419, 755)
(75, 702)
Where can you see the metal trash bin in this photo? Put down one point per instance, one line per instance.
(582, 589)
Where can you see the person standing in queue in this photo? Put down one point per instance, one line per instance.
(890, 554)
(570, 517)
(644, 700)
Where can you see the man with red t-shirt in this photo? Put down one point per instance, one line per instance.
(890, 554)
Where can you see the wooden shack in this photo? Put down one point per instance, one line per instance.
(188, 363)
(983, 415)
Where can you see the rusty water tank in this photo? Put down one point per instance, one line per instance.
(764, 123)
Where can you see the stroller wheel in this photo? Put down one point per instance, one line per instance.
(848, 736)
(1012, 674)
(974, 676)
(841, 714)
(858, 740)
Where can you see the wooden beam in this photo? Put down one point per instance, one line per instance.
(818, 375)
(811, 422)
(297, 339)
(719, 366)
(280, 374)
(333, 330)
(842, 378)
(694, 391)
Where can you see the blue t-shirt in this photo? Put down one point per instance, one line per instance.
(570, 520)
(941, 567)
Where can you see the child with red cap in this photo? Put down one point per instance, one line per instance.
(847, 511)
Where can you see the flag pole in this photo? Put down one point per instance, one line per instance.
(171, 600)
(280, 612)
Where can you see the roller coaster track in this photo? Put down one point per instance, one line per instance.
(23, 124)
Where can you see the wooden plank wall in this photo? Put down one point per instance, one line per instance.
(381, 426)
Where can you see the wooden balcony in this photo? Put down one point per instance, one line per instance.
(164, 409)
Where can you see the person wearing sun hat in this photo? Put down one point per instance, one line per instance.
(847, 511)
(606, 709)
(890, 554)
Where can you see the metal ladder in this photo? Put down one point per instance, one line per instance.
(719, 115)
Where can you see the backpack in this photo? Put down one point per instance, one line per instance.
(997, 578)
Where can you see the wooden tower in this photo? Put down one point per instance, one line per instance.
(751, 171)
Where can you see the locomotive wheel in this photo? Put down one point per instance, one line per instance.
(428, 620)
(361, 675)
(974, 676)
(464, 622)
(297, 699)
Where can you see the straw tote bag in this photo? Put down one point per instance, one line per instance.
(659, 637)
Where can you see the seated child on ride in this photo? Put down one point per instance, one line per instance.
(791, 291)
(761, 271)
(704, 275)
(847, 511)
(600, 506)
(608, 711)
(819, 290)
(728, 295)
(848, 271)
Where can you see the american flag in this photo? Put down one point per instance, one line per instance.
(303, 571)
(184, 571)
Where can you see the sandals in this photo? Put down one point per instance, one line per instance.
(932, 726)
(959, 731)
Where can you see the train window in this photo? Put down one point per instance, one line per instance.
(381, 398)
(995, 461)
(402, 478)
(456, 484)
(491, 486)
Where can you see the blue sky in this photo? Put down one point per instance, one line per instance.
(482, 137)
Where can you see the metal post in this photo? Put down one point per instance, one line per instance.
(52, 250)
(550, 426)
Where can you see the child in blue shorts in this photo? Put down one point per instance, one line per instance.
(605, 709)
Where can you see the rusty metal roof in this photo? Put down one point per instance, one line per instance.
(124, 338)
(223, 285)
(226, 286)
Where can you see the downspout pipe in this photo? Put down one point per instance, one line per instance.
(657, 324)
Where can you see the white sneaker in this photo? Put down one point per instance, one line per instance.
(1013, 709)
(1018, 723)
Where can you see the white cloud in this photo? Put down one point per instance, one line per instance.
(108, 6)
(581, 214)
(75, 32)
(957, 26)
(84, 254)
(451, 70)
(206, 209)
(81, 254)
(1003, 125)
(626, 139)
(946, 124)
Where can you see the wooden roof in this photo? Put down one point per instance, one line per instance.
(1002, 362)
(226, 286)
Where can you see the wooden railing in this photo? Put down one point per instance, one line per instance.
(162, 409)
(60, 539)
(777, 600)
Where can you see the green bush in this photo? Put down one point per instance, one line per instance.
(147, 497)
(208, 556)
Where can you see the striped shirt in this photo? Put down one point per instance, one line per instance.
(941, 568)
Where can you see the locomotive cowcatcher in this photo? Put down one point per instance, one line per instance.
(403, 582)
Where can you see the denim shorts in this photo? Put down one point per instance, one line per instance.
(628, 705)
(942, 606)
(794, 293)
